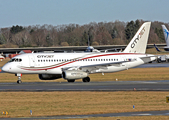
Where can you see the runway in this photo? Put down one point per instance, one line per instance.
(91, 86)
(146, 113)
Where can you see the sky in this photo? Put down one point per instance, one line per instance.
(59, 12)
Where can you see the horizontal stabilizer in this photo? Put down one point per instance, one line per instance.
(149, 58)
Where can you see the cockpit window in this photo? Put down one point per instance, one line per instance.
(15, 60)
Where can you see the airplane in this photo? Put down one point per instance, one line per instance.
(166, 36)
(72, 66)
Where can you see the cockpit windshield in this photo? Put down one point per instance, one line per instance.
(15, 60)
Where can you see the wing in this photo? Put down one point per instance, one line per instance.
(94, 67)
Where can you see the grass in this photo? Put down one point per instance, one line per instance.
(19, 104)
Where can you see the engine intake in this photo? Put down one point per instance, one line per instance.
(73, 74)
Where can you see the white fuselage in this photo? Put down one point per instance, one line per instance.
(54, 63)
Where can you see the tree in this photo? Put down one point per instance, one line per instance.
(131, 29)
(160, 34)
(2, 39)
(84, 39)
(113, 32)
(16, 29)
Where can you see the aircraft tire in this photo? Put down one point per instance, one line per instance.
(19, 81)
(159, 60)
(86, 79)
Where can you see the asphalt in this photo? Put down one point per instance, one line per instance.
(91, 86)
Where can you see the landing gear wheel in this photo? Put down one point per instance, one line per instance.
(71, 80)
(86, 79)
(159, 60)
(19, 80)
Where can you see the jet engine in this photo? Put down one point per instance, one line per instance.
(73, 74)
(49, 76)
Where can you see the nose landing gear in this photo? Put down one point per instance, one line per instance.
(19, 78)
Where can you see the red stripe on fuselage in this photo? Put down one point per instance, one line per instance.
(82, 59)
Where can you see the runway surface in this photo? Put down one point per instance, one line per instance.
(147, 113)
(91, 86)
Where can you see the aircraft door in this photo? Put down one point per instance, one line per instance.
(31, 61)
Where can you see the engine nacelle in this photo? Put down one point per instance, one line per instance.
(73, 74)
(49, 76)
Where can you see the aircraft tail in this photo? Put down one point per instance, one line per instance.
(138, 43)
(166, 34)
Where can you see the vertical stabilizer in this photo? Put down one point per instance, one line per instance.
(138, 43)
(165, 31)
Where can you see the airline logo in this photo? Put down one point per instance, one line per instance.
(138, 38)
(45, 56)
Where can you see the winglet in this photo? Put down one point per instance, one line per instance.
(157, 48)
(138, 43)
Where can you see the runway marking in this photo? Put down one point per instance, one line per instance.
(143, 114)
(148, 82)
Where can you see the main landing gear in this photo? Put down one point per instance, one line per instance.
(86, 79)
(19, 78)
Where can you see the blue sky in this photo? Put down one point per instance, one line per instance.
(58, 12)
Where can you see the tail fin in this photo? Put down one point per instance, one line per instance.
(139, 42)
(166, 33)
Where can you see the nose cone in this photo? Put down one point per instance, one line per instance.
(5, 68)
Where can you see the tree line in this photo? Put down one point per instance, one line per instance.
(102, 33)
